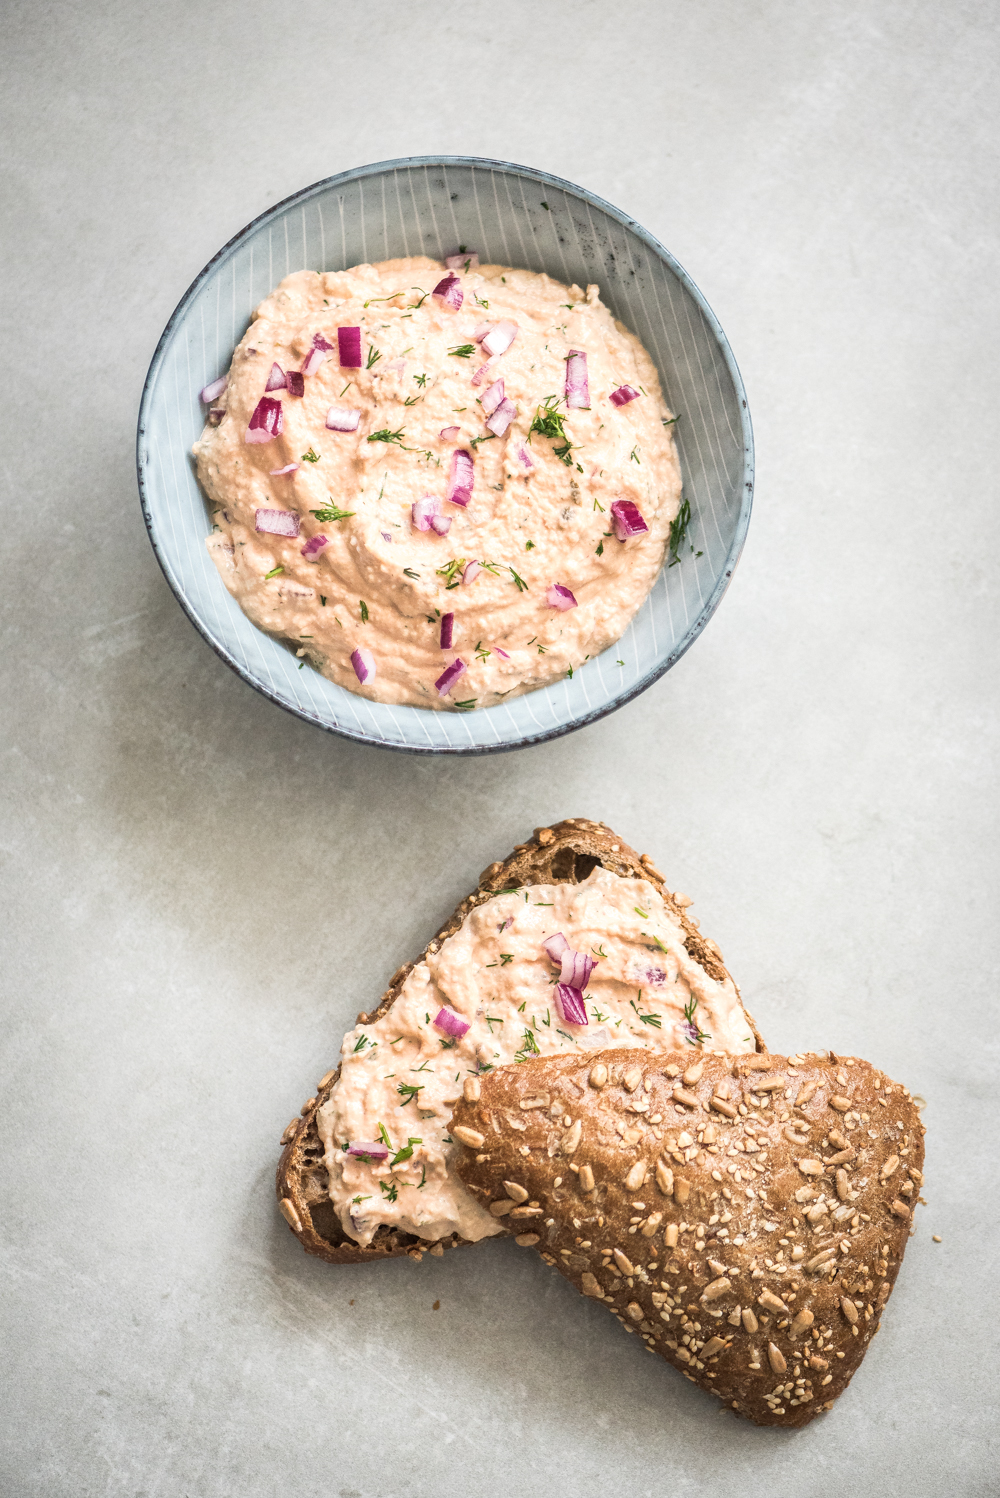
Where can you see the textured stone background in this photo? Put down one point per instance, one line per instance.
(200, 891)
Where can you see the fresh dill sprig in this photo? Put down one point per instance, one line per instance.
(273, 572)
(384, 435)
(549, 420)
(364, 611)
(678, 532)
(528, 1048)
(450, 571)
(332, 513)
(406, 1152)
(408, 1092)
(310, 457)
(373, 356)
(488, 438)
(463, 350)
(692, 1034)
(522, 586)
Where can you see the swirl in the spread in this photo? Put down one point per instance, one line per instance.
(439, 504)
(402, 1074)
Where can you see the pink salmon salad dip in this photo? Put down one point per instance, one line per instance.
(532, 972)
(440, 490)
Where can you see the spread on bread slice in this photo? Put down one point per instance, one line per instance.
(571, 945)
(746, 1216)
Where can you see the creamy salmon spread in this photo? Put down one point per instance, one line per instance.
(442, 486)
(490, 996)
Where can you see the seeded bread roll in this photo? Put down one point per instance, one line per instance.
(568, 852)
(746, 1216)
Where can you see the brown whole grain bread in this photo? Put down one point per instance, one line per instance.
(566, 852)
(745, 1215)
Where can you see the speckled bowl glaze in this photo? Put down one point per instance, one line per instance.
(517, 216)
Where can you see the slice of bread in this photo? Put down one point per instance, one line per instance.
(567, 852)
(751, 1234)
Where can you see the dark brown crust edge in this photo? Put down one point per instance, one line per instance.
(565, 853)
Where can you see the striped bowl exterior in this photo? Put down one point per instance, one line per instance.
(511, 215)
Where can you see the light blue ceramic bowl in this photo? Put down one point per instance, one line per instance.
(517, 216)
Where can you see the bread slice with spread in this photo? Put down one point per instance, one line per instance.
(571, 945)
(746, 1216)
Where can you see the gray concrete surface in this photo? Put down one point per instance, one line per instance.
(199, 891)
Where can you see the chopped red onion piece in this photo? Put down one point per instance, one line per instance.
(279, 473)
(560, 598)
(576, 969)
(577, 385)
(626, 519)
(312, 548)
(448, 678)
(374, 1150)
(386, 536)
(500, 338)
(449, 292)
(472, 571)
(314, 359)
(462, 262)
(424, 510)
(266, 421)
(448, 434)
(349, 345)
(276, 379)
(342, 419)
(462, 477)
(502, 417)
(623, 395)
(295, 380)
(480, 331)
(441, 524)
(364, 664)
(320, 342)
(522, 454)
(556, 946)
(447, 630)
(492, 397)
(215, 415)
(213, 391)
(502, 653)
(276, 522)
(569, 1002)
(483, 371)
(451, 1023)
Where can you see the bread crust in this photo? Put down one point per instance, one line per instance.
(566, 852)
(753, 1245)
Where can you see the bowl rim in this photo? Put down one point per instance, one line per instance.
(543, 178)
